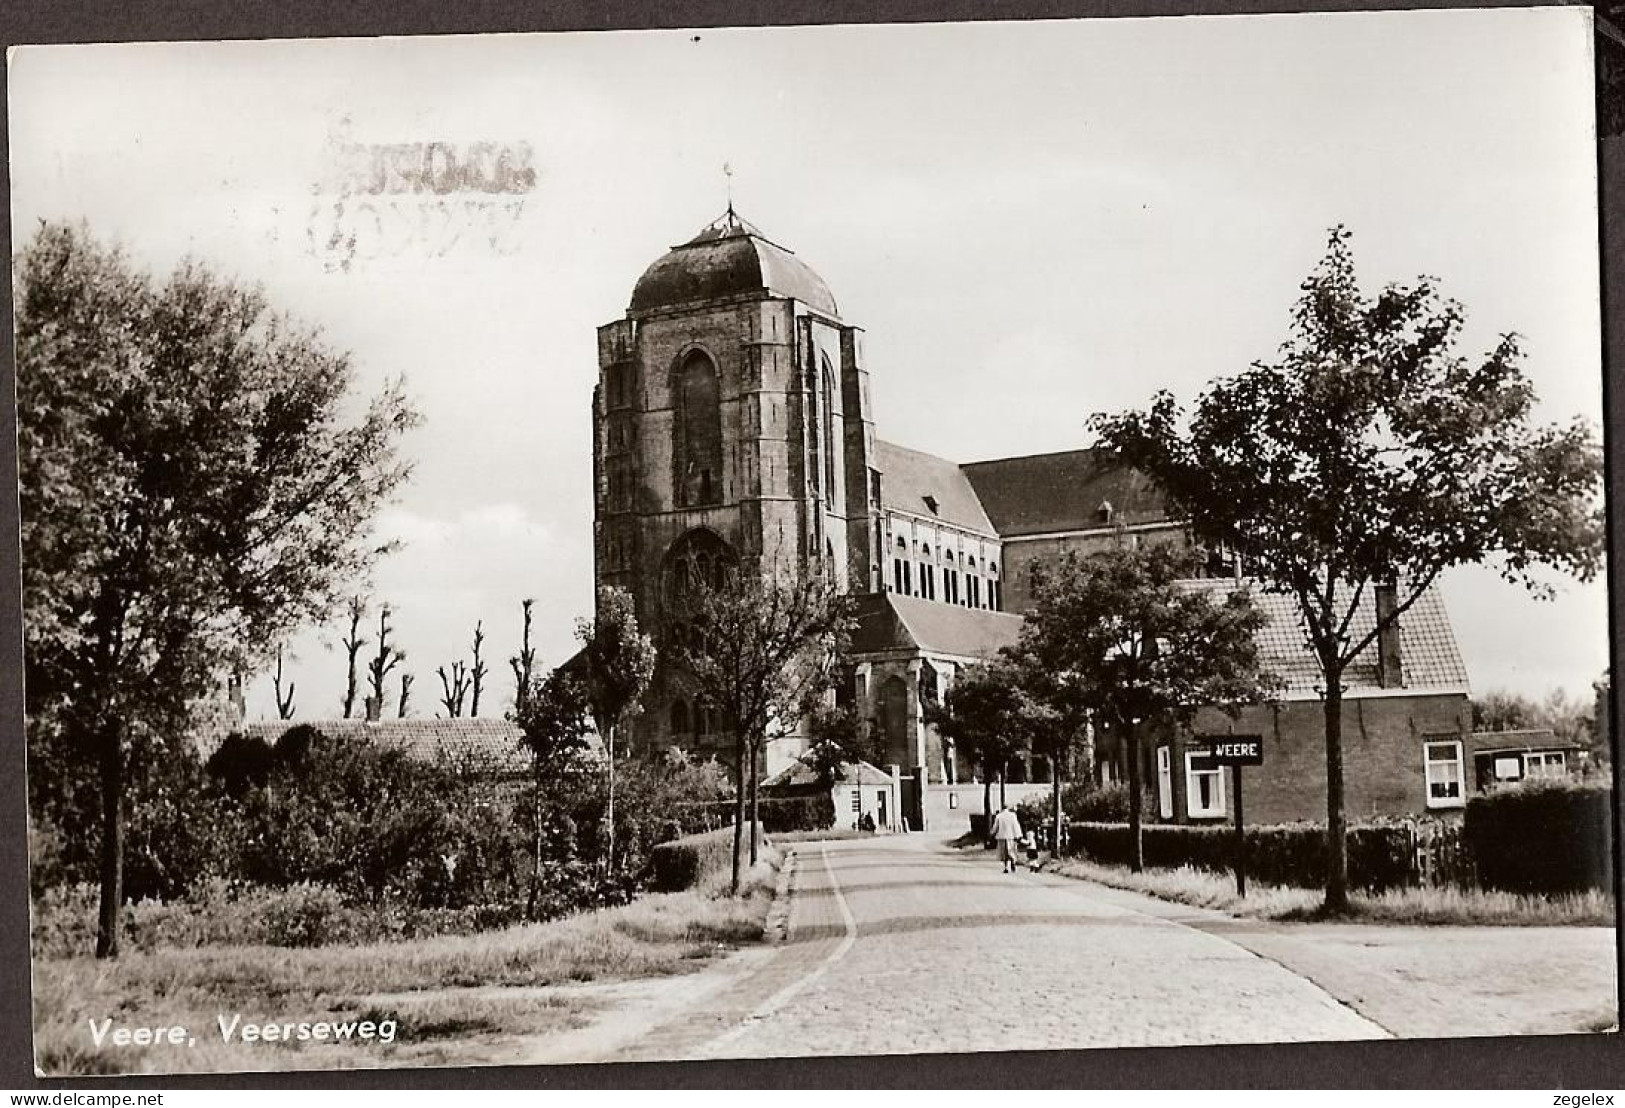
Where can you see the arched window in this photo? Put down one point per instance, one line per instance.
(697, 433)
(928, 574)
(699, 559)
(893, 713)
(899, 567)
(973, 584)
(950, 578)
(993, 586)
(832, 450)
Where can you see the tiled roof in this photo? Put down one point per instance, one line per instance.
(484, 745)
(1042, 493)
(889, 621)
(907, 477)
(801, 774)
(1485, 742)
(1430, 661)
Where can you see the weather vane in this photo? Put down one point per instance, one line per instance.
(728, 172)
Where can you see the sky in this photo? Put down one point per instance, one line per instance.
(1032, 222)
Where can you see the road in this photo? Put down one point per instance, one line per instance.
(901, 945)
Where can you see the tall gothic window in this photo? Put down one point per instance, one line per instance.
(831, 451)
(697, 433)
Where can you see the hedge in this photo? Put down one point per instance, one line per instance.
(1381, 856)
(686, 862)
(796, 813)
(1542, 837)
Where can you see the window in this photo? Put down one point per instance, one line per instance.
(1204, 787)
(828, 432)
(697, 431)
(679, 718)
(1442, 765)
(857, 802)
(1550, 763)
(993, 586)
(1165, 782)
(1508, 767)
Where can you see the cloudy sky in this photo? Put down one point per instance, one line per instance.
(1033, 222)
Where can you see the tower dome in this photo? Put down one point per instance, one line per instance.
(729, 259)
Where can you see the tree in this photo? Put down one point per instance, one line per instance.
(1126, 635)
(284, 701)
(620, 662)
(524, 662)
(840, 737)
(757, 646)
(353, 644)
(406, 692)
(382, 663)
(189, 493)
(553, 717)
(453, 688)
(989, 715)
(1371, 455)
(477, 672)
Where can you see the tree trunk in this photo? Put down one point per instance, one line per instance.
(1136, 855)
(112, 845)
(739, 805)
(609, 851)
(1004, 769)
(535, 845)
(987, 798)
(755, 812)
(1055, 809)
(1337, 858)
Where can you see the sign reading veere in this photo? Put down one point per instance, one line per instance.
(1242, 751)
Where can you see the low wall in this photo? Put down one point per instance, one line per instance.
(949, 807)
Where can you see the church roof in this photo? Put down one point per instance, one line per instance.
(728, 259)
(891, 621)
(1429, 658)
(913, 481)
(1043, 493)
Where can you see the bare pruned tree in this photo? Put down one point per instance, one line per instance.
(353, 642)
(524, 662)
(477, 672)
(284, 701)
(385, 661)
(453, 688)
(406, 691)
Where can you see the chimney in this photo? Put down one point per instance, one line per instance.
(373, 708)
(1390, 663)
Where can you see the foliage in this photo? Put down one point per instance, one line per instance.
(989, 715)
(1371, 454)
(1381, 856)
(620, 659)
(841, 737)
(757, 647)
(1570, 719)
(687, 862)
(1542, 837)
(1086, 802)
(189, 496)
(797, 813)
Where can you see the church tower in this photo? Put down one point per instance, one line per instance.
(731, 425)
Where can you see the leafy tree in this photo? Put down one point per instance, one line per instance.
(553, 717)
(1126, 636)
(620, 662)
(990, 716)
(189, 495)
(841, 736)
(1371, 454)
(757, 647)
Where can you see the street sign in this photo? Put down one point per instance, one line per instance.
(1245, 750)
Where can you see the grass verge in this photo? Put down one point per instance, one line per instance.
(1443, 907)
(656, 935)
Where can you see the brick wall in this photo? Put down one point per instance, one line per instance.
(1382, 756)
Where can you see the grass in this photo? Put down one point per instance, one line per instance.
(828, 834)
(656, 935)
(1441, 907)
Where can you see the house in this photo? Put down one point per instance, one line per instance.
(856, 789)
(1506, 757)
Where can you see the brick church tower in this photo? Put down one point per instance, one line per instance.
(731, 422)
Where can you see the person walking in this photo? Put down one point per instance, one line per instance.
(1007, 833)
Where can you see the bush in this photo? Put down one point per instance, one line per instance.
(1381, 856)
(1542, 837)
(796, 813)
(687, 862)
(1086, 802)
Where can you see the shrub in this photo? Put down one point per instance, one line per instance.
(1086, 802)
(796, 813)
(1380, 855)
(1542, 837)
(687, 862)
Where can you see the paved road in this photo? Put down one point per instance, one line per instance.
(900, 945)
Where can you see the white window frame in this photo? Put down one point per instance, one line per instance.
(1165, 783)
(1429, 777)
(1192, 807)
(1539, 763)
